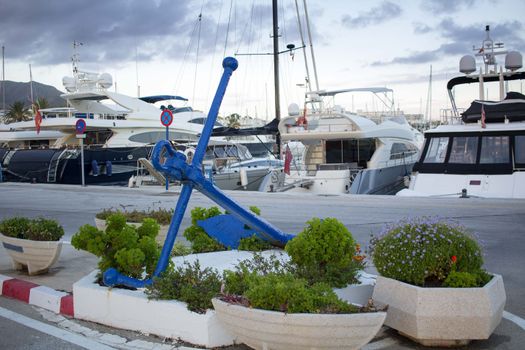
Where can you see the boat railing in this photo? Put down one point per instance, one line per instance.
(338, 166)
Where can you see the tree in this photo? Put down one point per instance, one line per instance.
(42, 103)
(233, 121)
(17, 113)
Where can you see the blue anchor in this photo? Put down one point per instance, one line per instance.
(191, 177)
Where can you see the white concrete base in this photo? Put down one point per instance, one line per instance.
(37, 256)
(262, 329)
(161, 237)
(442, 316)
(127, 309)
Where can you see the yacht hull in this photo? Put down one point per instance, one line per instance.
(101, 165)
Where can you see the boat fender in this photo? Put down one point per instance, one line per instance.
(109, 168)
(244, 177)
(94, 167)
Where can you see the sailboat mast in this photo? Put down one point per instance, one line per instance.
(311, 45)
(3, 79)
(276, 72)
(31, 83)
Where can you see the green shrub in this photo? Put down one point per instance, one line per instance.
(190, 284)
(460, 280)
(287, 293)
(161, 216)
(39, 229)
(180, 249)
(132, 251)
(423, 251)
(324, 252)
(200, 241)
(236, 282)
(254, 244)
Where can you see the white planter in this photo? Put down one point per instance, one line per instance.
(262, 329)
(131, 309)
(161, 237)
(442, 316)
(37, 256)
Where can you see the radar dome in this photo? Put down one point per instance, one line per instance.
(105, 80)
(293, 109)
(467, 64)
(69, 83)
(513, 60)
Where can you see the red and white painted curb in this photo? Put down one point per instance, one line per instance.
(41, 296)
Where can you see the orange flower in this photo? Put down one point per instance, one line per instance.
(454, 259)
(358, 257)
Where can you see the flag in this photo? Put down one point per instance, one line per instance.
(483, 124)
(287, 160)
(38, 118)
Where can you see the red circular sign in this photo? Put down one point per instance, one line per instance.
(166, 117)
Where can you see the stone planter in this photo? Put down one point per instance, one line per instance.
(442, 316)
(37, 256)
(132, 310)
(262, 329)
(161, 237)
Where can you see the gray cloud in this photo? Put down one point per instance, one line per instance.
(42, 32)
(385, 11)
(446, 6)
(459, 40)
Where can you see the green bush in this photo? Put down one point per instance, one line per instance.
(190, 284)
(200, 241)
(132, 251)
(423, 251)
(287, 293)
(179, 249)
(460, 280)
(39, 229)
(161, 216)
(254, 244)
(324, 252)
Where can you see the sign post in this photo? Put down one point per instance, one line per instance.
(80, 127)
(166, 118)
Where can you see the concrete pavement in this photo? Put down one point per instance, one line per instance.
(500, 225)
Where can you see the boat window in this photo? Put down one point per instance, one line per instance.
(350, 151)
(464, 150)
(398, 150)
(155, 136)
(201, 121)
(219, 152)
(437, 150)
(232, 151)
(97, 137)
(494, 149)
(519, 149)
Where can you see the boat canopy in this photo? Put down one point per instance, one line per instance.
(512, 108)
(475, 79)
(157, 98)
(268, 129)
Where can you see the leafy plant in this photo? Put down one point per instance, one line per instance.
(180, 249)
(39, 229)
(254, 244)
(325, 251)
(132, 251)
(162, 216)
(200, 241)
(190, 284)
(424, 251)
(288, 293)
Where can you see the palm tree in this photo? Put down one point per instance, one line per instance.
(42, 103)
(233, 121)
(17, 113)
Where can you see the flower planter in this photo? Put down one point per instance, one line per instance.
(262, 329)
(37, 256)
(161, 237)
(442, 316)
(132, 310)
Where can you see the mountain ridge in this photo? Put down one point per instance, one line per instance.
(20, 91)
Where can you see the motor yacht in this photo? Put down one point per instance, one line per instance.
(480, 152)
(344, 152)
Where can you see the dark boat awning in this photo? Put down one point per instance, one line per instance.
(268, 129)
(157, 98)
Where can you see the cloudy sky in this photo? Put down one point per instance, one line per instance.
(175, 47)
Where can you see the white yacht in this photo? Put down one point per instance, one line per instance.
(119, 130)
(344, 152)
(482, 151)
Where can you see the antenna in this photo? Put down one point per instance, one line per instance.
(74, 58)
(3, 79)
